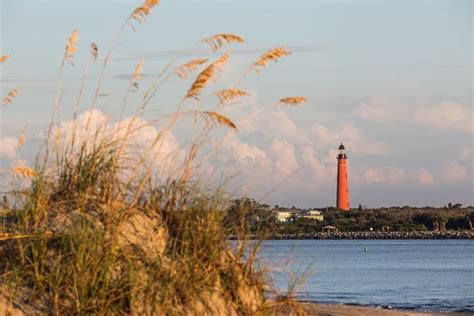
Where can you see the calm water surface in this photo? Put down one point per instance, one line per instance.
(433, 275)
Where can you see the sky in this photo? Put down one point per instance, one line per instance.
(390, 79)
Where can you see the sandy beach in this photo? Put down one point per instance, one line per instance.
(336, 310)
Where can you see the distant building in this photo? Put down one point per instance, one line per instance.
(329, 229)
(313, 214)
(283, 215)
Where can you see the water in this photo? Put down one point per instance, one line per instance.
(429, 275)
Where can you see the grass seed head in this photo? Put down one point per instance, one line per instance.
(272, 55)
(218, 119)
(71, 47)
(23, 172)
(137, 73)
(22, 138)
(140, 13)
(94, 51)
(183, 70)
(9, 98)
(219, 40)
(230, 95)
(206, 75)
(3, 58)
(293, 101)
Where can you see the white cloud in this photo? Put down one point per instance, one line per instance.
(466, 152)
(244, 155)
(373, 176)
(284, 157)
(423, 176)
(382, 175)
(354, 140)
(380, 110)
(446, 115)
(397, 175)
(93, 127)
(8, 147)
(272, 123)
(322, 172)
(390, 175)
(452, 171)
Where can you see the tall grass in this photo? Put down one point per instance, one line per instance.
(96, 231)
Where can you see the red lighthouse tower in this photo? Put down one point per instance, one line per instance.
(342, 182)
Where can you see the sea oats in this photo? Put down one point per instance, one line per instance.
(23, 172)
(140, 13)
(22, 138)
(71, 47)
(9, 98)
(137, 73)
(206, 75)
(217, 118)
(219, 40)
(230, 95)
(94, 51)
(183, 70)
(4, 58)
(271, 55)
(293, 100)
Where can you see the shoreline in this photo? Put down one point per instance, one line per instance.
(426, 235)
(313, 308)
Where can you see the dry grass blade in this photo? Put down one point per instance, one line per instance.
(22, 138)
(206, 75)
(4, 58)
(57, 138)
(271, 55)
(217, 118)
(23, 172)
(230, 95)
(137, 73)
(187, 170)
(219, 40)
(71, 47)
(9, 98)
(94, 51)
(183, 70)
(293, 100)
(142, 11)
(24, 236)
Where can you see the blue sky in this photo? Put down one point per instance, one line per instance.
(391, 79)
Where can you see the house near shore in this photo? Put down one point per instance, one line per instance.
(313, 214)
(285, 215)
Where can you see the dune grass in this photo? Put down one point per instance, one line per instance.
(97, 231)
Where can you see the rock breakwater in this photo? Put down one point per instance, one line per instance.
(373, 235)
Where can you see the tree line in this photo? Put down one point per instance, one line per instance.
(261, 218)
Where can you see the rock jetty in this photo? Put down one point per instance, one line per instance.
(374, 235)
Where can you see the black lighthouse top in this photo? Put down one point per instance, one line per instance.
(342, 154)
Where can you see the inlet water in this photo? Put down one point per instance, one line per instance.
(429, 275)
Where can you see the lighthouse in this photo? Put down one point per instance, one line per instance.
(342, 202)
